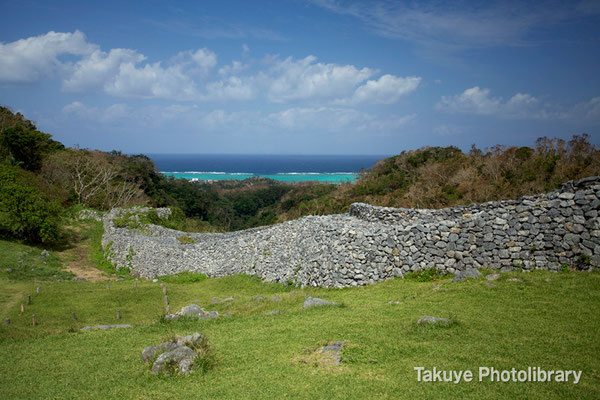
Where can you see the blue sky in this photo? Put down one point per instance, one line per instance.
(302, 77)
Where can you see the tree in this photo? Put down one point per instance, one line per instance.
(25, 211)
(26, 147)
(94, 178)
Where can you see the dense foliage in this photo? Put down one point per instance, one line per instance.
(25, 210)
(437, 177)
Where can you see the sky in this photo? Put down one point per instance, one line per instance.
(302, 77)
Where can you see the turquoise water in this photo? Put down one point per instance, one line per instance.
(331, 177)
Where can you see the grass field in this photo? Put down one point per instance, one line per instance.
(549, 320)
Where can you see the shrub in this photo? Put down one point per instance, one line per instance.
(25, 211)
(27, 147)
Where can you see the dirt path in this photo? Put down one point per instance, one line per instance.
(77, 258)
(88, 272)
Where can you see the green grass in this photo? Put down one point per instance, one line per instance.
(23, 262)
(548, 320)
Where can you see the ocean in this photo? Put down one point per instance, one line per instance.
(285, 168)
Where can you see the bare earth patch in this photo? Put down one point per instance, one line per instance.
(88, 272)
(76, 259)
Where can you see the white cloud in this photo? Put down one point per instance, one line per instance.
(190, 75)
(386, 90)
(117, 74)
(232, 88)
(520, 106)
(304, 79)
(204, 58)
(235, 68)
(152, 81)
(99, 68)
(587, 110)
(201, 61)
(593, 108)
(29, 60)
(471, 101)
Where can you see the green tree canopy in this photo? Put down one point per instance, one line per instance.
(25, 211)
(26, 147)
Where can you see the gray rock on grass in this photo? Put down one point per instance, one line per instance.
(492, 277)
(177, 356)
(114, 326)
(334, 351)
(467, 273)
(429, 320)
(192, 311)
(151, 352)
(316, 302)
(182, 356)
(217, 300)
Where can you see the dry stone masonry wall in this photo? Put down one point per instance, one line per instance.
(371, 244)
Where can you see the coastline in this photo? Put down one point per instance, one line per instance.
(289, 177)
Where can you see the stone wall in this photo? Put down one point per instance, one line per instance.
(371, 244)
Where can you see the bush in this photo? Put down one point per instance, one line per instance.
(27, 147)
(25, 211)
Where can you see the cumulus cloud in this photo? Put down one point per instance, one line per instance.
(29, 60)
(193, 75)
(472, 101)
(293, 80)
(235, 68)
(95, 70)
(118, 74)
(385, 90)
(480, 102)
(232, 88)
(152, 81)
(201, 61)
(521, 106)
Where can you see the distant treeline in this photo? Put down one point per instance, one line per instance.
(40, 179)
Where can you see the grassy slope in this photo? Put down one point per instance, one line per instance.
(548, 320)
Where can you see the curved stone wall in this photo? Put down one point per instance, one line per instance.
(371, 244)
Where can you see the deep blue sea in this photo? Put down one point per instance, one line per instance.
(288, 168)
